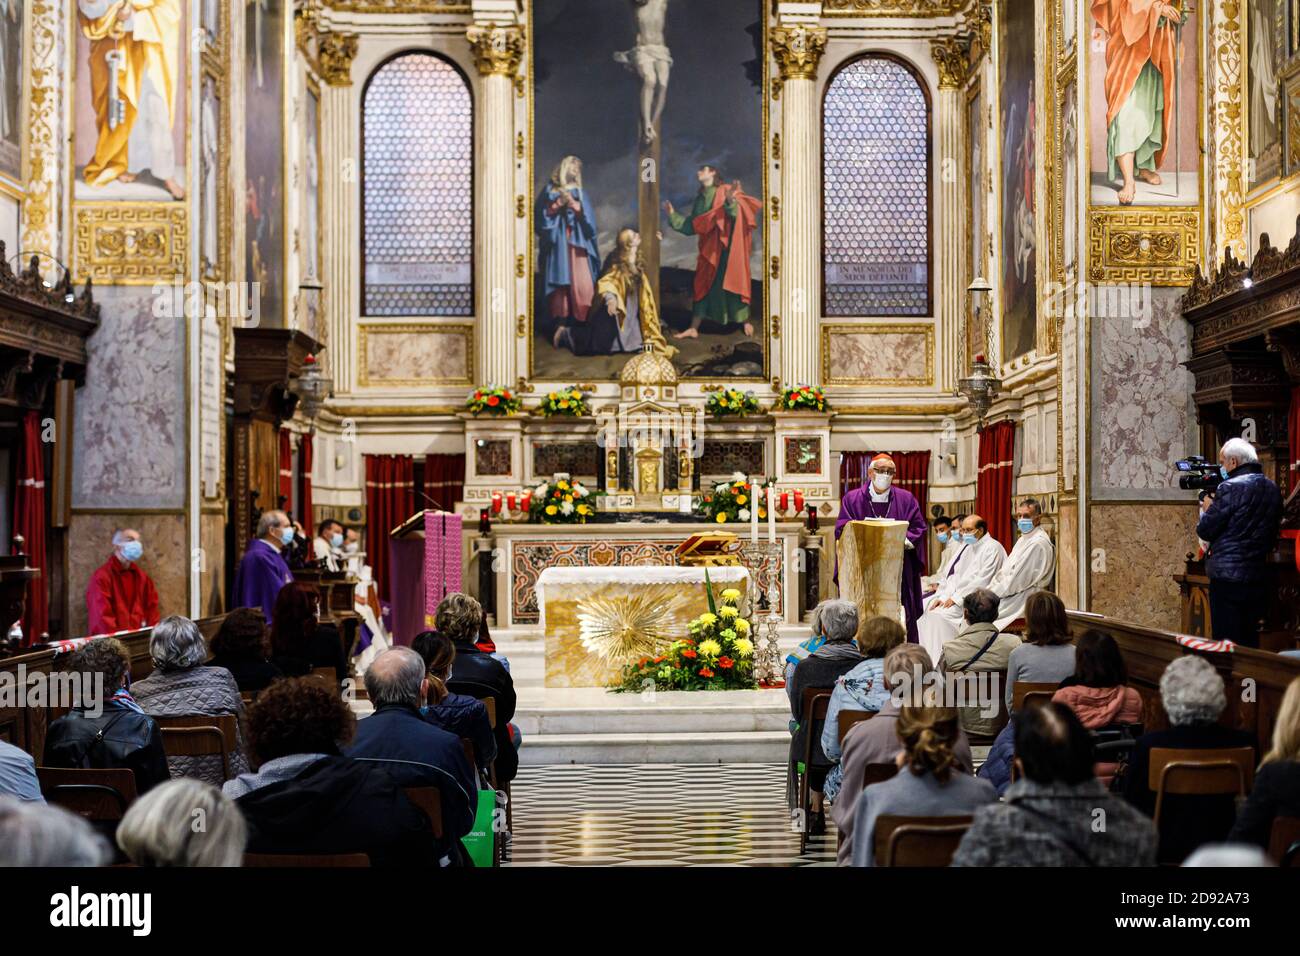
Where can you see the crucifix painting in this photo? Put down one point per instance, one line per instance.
(647, 212)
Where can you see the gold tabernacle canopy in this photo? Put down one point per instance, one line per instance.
(711, 549)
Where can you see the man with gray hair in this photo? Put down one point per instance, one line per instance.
(263, 570)
(120, 595)
(1241, 524)
(36, 834)
(415, 752)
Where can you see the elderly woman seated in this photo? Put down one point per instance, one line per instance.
(159, 829)
(836, 657)
(1192, 693)
(38, 834)
(182, 686)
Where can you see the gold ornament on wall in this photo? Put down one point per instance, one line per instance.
(1229, 186)
(129, 243)
(1155, 245)
(498, 50)
(336, 52)
(951, 59)
(798, 49)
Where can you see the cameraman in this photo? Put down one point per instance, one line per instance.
(1240, 523)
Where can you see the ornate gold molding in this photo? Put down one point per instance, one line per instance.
(798, 49)
(892, 8)
(1159, 245)
(1229, 185)
(40, 226)
(951, 58)
(136, 243)
(981, 26)
(498, 50)
(337, 50)
(400, 6)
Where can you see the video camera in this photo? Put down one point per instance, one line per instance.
(1195, 473)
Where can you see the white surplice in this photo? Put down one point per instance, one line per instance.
(950, 549)
(974, 567)
(1029, 567)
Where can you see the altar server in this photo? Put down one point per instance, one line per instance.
(263, 569)
(880, 499)
(975, 566)
(948, 533)
(1028, 568)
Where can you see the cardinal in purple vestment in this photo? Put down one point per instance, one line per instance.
(262, 570)
(880, 499)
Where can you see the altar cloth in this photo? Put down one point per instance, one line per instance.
(596, 619)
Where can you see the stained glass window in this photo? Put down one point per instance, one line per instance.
(417, 210)
(876, 191)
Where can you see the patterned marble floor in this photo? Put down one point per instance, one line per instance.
(658, 815)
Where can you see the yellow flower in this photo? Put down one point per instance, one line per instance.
(562, 485)
(708, 618)
(741, 625)
(575, 395)
(551, 509)
(584, 510)
(709, 648)
(741, 499)
(564, 403)
(568, 497)
(728, 611)
(722, 402)
(722, 517)
(731, 594)
(552, 396)
(743, 645)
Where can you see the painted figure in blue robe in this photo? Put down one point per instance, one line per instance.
(880, 498)
(567, 256)
(263, 571)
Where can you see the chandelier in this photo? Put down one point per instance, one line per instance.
(312, 386)
(981, 386)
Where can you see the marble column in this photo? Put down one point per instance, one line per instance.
(949, 208)
(498, 51)
(339, 205)
(798, 49)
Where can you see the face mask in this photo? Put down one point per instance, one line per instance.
(424, 711)
(1223, 473)
(286, 536)
(1025, 525)
(969, 537)
(942, 536)
(132, 550)
(336, 541)
(882, 482)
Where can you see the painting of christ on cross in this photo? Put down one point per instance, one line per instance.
(648, 169)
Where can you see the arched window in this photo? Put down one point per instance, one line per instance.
(876, 190)
(417, 206)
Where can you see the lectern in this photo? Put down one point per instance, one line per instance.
(424, 566)
(871, 566)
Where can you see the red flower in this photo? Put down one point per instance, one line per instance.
(725, 662)
(689, 653)
(493, 400)
(644, 661)
(506, 393)
(678, 666)
(705, 672)
(659, 659)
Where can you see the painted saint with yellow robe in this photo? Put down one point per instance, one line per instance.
(629, 300)
(135, 60)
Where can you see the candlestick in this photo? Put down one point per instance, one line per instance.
(496, 502)
(753, 519)
(784, 500)
(484, 523)
(771, 515)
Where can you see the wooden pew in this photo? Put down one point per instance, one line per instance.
(1147, 652)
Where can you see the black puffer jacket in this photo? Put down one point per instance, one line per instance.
(479, 675)
(1242, 524)
(118, 737)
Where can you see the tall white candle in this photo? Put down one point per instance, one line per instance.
(753, 517)
(771, 515)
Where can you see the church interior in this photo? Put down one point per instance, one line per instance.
(842, 415)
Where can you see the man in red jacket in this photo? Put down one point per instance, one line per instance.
(120, 596)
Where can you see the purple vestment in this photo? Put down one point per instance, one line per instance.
(857, 506)
(262, 573)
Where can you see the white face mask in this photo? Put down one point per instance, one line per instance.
(881, 482)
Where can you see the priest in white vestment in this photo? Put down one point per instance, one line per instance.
(948, 534)
(975, 566)
(1028, 568)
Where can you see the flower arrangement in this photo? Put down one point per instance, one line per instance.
(732, 500)
(731, 402)
(567, 401)
(810, 397)
(716, 654)
(561, 501)
(494, 400)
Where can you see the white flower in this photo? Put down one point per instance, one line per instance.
(721, 487)
(561, 476)
(743, 514)
(580, 492)
(540, 490)
(566, 508)
(738, 476)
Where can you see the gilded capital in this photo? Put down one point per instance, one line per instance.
(981, 24)
(798, 49)
(498, 50)
(950, 57)
(336, 52)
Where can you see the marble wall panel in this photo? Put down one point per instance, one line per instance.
(1067, 555)
(1135, 550)
(402, 355)
(889, 355)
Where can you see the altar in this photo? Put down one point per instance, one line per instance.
(596, 619)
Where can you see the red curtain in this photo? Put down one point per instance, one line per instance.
(1293, 438)
(444, 479)
(286, 472)
(29, 521)
(390, 500)
(913, 473)
(993, 486)
(304, 485)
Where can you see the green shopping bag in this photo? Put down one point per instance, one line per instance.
(479, 842)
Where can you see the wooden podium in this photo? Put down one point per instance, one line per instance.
(870, 556)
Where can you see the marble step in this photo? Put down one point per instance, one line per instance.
(700, 747)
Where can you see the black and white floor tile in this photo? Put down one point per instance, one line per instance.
(658, 815)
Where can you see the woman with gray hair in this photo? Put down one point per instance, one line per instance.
(823, 669)
(181, 685)
(183, 823)
(39, 834)
(1194, 699)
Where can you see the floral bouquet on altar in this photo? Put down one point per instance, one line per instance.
(494, 400)
(566, 401)
(731, 402)
(732, 500)
(803, 398)
(717, 654)
(561, 501)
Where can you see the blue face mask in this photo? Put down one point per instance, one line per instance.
(424, 711)
(286, 536)
(132, 550)
(970, 538)
(1025, 525)
(336, 541)
(1223, 473)
(942, 536)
